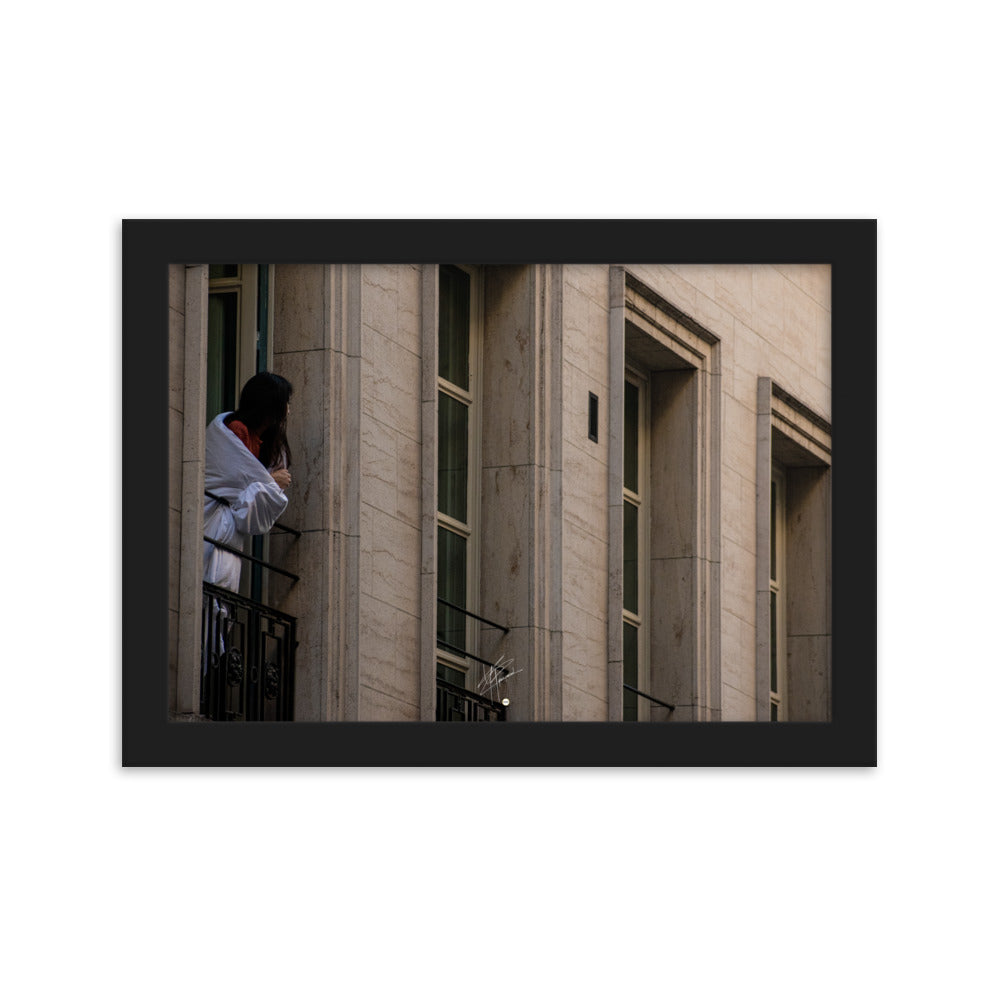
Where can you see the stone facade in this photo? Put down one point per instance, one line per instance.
(737, 364)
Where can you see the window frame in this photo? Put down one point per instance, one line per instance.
(777, 584)
(796, 441)
(636, 375)
(684, 619)
(245, 285)
(469, 530)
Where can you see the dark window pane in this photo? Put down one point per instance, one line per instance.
(223, 270)
(774, 712)
(774, 641)
(453, 325)
(453, 457)
(223, 315)
(451, 582)
(451, 675)
(631, 437)
(630, 672)
(630, 567)
(774, 525)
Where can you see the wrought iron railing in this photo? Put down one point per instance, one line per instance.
(458, 650)
(247, 648)
(455, 704)
(248, 659)
(648, 697)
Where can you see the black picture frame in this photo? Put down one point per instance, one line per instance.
(149, 738)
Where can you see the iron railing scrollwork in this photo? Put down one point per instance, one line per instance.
(248, 659)
(248, 648)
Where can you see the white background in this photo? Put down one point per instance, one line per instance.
(789, 883)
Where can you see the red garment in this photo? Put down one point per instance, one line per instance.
(247, 436)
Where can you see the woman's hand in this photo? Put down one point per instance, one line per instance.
(282, 477)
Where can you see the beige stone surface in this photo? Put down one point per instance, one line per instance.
(505, 545)
(813, 279)
(309, 500)
(175, 289)
(585, 325)
(395, 563)
(379, 467)
(737, 706)
(191, 341)
(584, 489)
(739, 438)
(390, 665)
(590, 280)
(584, 660)
(175, 431)
(173, 562)
(380, 299)
(585, 572)
(301, 293)
(738, 506)
(734, 290)
(580, 706)
(390, 381)
(738, 654)
(738, 580)
(809, 684)
(377, 706)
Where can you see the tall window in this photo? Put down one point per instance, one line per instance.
(635, 561)
(238, 347)
(237, 331)
(458, 463)
(778, 673)
(793, 606)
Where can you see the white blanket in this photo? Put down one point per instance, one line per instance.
(255, 501)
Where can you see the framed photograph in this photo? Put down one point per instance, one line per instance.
(597, 492)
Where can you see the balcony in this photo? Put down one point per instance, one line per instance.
(248, 659)
(456, 704)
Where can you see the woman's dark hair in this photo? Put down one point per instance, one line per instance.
(264, 409)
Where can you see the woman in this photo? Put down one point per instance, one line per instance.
(246, 472)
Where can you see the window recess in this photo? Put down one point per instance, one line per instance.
(458, 472)
(665, 516)
(794, 559)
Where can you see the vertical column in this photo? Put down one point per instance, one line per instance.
(809, 587)
(428, 489)
(552, 376)
(512, 530)
(175, 349)
(192, 489)
(347, 353)
(712, 448)
(763, 547)
(317, 347)
(544, 537)
(616, 435)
